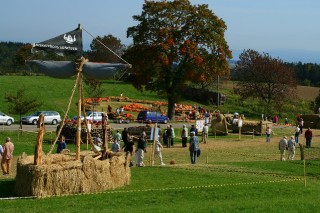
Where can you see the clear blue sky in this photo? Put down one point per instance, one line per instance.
(288, 29)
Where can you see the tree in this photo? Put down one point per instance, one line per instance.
(20, 103)
(99, 49)
(174, 43)
(265, 78)
(316, 104)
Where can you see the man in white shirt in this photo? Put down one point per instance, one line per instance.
(283, 143)
(205, 131)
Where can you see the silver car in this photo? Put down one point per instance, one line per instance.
(50, 117)
(5, 119)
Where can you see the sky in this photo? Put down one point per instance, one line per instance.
(286, 29)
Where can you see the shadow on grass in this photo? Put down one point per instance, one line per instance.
(7, 188)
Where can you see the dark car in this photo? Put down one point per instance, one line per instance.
(152, 116)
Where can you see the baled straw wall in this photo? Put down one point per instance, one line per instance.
(60, 174)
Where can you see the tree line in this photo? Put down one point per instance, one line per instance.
(307, 74)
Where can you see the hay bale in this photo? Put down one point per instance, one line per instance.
(219, 125)
(60, 174)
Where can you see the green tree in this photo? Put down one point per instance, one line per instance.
(102, 48)
(175, 43)
(316, 104)
(265, 78)
(20, 103)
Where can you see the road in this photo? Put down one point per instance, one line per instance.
(49, 128)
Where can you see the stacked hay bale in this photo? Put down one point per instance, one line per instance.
(136, 131)
(219, 125)
(251, 127)
(60, 174)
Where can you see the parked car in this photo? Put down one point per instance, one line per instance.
(91, 116)
(153, 116)
(5, 119)
(50, 117)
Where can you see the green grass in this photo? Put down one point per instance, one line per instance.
(241, 176)
(54, 93)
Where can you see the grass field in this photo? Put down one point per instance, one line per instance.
(231, 175)
(54, 95)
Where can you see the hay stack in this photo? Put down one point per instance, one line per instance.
(61, 174)
(219, 125)
(251, 127)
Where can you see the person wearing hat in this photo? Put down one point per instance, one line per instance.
(184, 135)
(283, 144)
(193, 148)
(7, 155)
(291, 148)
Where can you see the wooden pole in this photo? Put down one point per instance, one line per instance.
(79, 66)
(38, 148)
(104, 136)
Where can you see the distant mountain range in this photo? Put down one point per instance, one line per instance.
(287, 55)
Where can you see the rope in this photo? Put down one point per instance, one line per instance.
(86, 121)
(107, 47)
(65, 115)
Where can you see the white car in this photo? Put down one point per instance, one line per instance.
(91, 116)
(5, 119)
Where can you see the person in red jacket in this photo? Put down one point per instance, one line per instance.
(308, 136)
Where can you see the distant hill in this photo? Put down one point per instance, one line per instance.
(287, 55)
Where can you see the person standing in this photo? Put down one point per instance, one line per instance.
(129, 147)
(308, 136)
(124, 136)
(193, 148)
(142, 148)
(168, 136)
(268, 134)
(157, 149)
(61, 144)
(297, 134)
(291, 148)
(206, 117)
(7, 155)
(173, 135)
(205, 132)
(117, 137)
(193, 129)
(184, 135)
(283, 143)
(109, 109)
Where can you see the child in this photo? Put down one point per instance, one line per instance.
(115, 146)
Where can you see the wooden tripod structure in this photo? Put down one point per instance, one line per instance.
(78, 84)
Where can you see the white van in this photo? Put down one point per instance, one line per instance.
(50, 117)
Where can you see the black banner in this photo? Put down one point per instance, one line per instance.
(70, 43)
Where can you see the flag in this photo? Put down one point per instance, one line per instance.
(67, 43)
